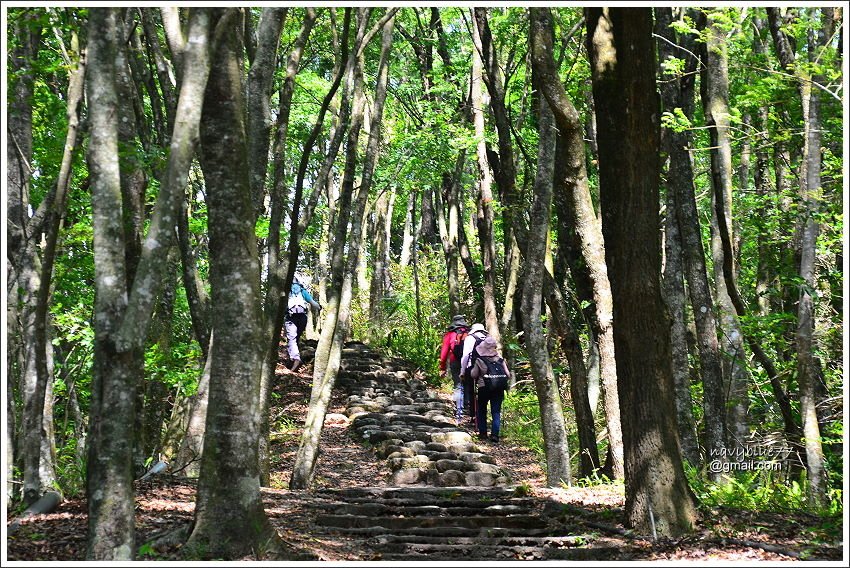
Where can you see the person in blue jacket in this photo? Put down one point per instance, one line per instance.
(296, 318)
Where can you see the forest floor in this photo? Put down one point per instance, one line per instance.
(165, 505)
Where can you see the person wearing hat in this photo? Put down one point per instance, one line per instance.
(298, 302)
(476, 335)
(490, 373)
(450, 356)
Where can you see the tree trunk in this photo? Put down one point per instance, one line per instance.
(548, 393)
(807, 362)
(484, 218)
(196, 294)
(188, 457)
(260, 78)
(571, 346)
(109, 483)
(407, 233)
(445, 202)
(230, 520)
(578, 205)
(275, 303)
(730, 404)
(684, 225)
(622, 57)
(336, 329)
(380, 283)
(121, 325)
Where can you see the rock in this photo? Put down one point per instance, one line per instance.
(451, 478)
(450, 438)
(335, 418)
(435, 447)
(483, 468)
(416, 445)
(480, 479)
(407, 476)
(380, 436)
(402, 453)
(444, 456)
(447, 465)
(472, 457)
(384, 451)
(404, 463)
(458, 449)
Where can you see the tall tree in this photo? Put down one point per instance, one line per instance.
(337, 323)
(808, 365)
(121, 318)
(230, 520)
(576, 213)
(545, 383)
(622, 58)
(679, 93)
(484, 218)
(726, 404)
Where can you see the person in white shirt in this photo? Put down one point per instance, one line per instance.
(477, 333)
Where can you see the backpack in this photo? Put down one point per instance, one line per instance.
(457, 345)
(495, 377)
(297, 303)
(473, 355)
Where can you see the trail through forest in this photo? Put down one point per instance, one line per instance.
(354, 513)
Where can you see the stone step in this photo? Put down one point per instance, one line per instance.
(434, 552)
(441, 532)
(477, 522)
(421, 493)
(569, 541)
(447, 504)
(365, 509)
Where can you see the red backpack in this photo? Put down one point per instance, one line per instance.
(457, 344)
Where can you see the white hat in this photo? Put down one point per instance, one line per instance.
(477, 327)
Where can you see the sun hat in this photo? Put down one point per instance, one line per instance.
(477, 327)
(458, 321)
(487, 348)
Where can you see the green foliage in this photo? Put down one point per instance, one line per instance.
(676, 120)
(71, 468)
(521, 419)
(761, 490)
(404, 333)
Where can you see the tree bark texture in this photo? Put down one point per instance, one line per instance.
(622, 57)
(726, 408)
(684, 225)
(336, 329)
(37, 425)
(275, 295)
(548, 393)
(260, 77)
(583, 220)
(484, 219)
(109, 488)
(812, 194)
(230, 520)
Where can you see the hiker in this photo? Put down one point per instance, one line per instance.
(450, 354)
(476, 334)
(490, 373)
(296, 318)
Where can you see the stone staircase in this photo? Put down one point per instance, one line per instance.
(447, 499)
(457, 523)
(409, 425)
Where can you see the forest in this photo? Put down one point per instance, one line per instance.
(643, 207)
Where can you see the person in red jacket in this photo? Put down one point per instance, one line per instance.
(450, 357)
